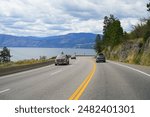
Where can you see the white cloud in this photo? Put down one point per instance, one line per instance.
(54, 17)
(128, 23)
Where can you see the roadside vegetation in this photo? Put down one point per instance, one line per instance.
(5, 60)
(23, 62)
(132, 47)
(5, 55)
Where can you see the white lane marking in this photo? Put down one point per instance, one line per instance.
(56, 72)
(4, 91)
(131, 68)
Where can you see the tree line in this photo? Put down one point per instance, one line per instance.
(113, 33)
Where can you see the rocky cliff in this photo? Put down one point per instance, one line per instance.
(132, 51)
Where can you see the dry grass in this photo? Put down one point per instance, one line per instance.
(23, 62)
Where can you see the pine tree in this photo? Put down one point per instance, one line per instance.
(98, 44)
(112, 31)
(5, 55)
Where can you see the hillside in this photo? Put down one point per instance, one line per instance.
(132, 51)
(72, 40)
(132, 47)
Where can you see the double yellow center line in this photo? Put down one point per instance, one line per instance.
(77, 94)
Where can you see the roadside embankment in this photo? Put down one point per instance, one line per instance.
(132, 51)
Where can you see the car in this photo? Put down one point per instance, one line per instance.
(73, 57)
(100, 58)
(62, 60)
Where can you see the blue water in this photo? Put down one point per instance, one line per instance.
(29, 53)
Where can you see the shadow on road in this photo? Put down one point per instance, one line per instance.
(101, 62)
(64, 65)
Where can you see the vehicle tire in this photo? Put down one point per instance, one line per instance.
(55, 64)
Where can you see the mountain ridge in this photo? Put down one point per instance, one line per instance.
(71, 40)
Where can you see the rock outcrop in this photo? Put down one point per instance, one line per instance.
(131, 51)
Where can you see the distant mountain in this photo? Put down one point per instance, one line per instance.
(71, 40)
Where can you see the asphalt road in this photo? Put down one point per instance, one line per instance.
(82, 79)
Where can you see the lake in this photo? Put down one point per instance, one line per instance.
(29, 53)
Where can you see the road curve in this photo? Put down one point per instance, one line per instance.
(105, 81)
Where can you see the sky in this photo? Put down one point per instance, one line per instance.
(57, 17)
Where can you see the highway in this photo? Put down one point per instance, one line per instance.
(83, 79)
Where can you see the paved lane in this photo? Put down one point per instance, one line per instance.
(82, 79)
(114, 81)
(51, 82)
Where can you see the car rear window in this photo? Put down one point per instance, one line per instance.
(101, 54)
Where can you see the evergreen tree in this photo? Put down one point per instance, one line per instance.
(98, 44)
(106, 21)
(147, 32)
(112, 31)
(148, 6)
(5, 55)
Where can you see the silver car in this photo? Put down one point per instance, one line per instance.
(62, 60)
(100, 58)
